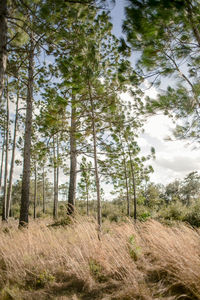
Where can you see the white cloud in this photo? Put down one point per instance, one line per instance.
(174, 159)
(178, 164)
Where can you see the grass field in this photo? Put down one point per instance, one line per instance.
(143, 261)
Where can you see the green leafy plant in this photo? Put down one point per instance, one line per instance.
(43, 279)
(134, 249)
(97, 271)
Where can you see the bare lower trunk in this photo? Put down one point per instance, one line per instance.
(23, 221)
(127, 188)
(87, 195)
(4, 216)
(43, 192)
(55, 202)
(57, 182)
(3, 45)
(57, 177)
(12, 159)
(73, 163)
(99, 216)
(134, 187)
(2, 158)
(35, 193)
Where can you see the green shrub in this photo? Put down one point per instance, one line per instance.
(97, 271)
(67, 220)
(193, 216)
(175, 211)
(134, 249)
(43, 279)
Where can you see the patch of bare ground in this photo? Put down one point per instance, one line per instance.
(142, 261)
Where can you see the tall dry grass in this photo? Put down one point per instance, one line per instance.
(142, 261)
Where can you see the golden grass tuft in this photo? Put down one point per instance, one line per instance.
(143, 261)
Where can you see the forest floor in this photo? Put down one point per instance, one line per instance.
(131, 261)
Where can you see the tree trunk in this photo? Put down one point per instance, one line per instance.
(35, 192)
(99, 216)
(3, 45)
(55, 174)
(4, 216)
(127, 188)
(134, 187)
(43, 192)
(73, 162)
(13, 157)
(2, 158)
(23, 221)
(87, 195)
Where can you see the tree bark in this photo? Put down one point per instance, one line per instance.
(73, 162)
(3, 45)
(13, 158)
(127, 188)
(2, 158)
(55, 172)
(23, 221)
(43, 192)
(87, 195)
(4, 216)
(35, 192)
(99, 215)
(134, 187)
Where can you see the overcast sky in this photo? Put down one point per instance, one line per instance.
(174, 159)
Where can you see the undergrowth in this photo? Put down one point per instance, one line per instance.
(131, 261)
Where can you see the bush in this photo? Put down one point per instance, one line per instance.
(65, 221)
(143, 213)
(175, 211)
(193, 216)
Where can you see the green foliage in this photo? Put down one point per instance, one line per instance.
(175, 212)
(167, 50)
(44, 279)
(64, 221)
(97, 271)
(192, 215)
(134, 249)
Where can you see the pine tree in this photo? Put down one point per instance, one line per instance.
(169, 47)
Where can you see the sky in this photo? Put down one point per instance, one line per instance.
(174, 159)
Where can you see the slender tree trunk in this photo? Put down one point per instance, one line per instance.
(188, 200)
(4, 216)
(2, 157)
(127, 188)
(3, 45)
(134, 187)
(35, 193)
(99, 215)
(58, 170)
(23, 221)
(13, 157)
(55, 202)
(73, 162)
(87, 195)
(43, 192)
(56, 155)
